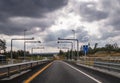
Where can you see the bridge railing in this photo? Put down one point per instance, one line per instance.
(102, 63)
(108, 65)
(7, 70)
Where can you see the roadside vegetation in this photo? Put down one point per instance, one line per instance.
(109, 50)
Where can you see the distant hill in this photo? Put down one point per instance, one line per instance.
(45, 54)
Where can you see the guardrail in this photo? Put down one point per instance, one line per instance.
(108, 65)
(17, 68)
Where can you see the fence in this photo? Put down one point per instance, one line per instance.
(108, 65)
(7, 70)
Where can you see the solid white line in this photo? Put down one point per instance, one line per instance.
(83, 73)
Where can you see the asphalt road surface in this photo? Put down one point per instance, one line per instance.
(61, 72)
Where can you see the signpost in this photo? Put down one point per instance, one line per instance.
(85, 49)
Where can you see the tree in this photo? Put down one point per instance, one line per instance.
(115, 45)
(2, 45)
(16, 54)
(96, 44)
(61, 53)
(109, 48)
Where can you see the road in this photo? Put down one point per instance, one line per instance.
(61, 72)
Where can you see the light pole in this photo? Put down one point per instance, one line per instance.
(12, 45)
(71, 46)
(65, 48)
(30, 42)
(74, 37)
(24, 42)
(77, 44)
(35, 48)
(74, 33)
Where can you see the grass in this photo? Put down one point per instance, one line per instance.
(101, 56)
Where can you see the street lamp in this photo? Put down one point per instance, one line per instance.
(77, 44)
(71, 46)
(29, 42)
(35, 48)
(24, 41)
(74, 37)
(74, 33)
(12, 45)
(67, 49)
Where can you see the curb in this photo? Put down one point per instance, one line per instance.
(111, 73)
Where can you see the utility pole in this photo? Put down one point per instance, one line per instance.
(12, 46)
(77, 45)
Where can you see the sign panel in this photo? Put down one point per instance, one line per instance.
(85, 48)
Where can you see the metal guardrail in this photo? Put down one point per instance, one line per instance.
(19, 66)
(108, 65)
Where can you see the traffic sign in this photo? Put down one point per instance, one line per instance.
(85, 49)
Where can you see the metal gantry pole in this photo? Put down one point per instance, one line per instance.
(31, 53)
(66, 51)
(31, 50)
(36, 48)
(24, 50)
(12, 45)
(11, 53)
(77, 44)
(71, 47)
(24, 44)
(71, 50)
(30, 42)
(74, 37)
(77, 50)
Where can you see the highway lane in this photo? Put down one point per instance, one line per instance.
(103, 77)
(61, 72)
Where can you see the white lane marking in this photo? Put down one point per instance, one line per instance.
(83, 73)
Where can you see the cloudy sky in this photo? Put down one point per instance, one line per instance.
(94, 21)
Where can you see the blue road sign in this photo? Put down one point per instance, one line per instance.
(85, 48)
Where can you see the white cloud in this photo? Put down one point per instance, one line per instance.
(96, 19)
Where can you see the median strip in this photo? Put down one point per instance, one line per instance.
(36, 74)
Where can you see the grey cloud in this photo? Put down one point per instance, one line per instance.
(82, 35)
(29, 8)
(34, 9)
(91, 13)
(113, 21)
(53, 36)
(106, 34)
(10, 28)
(113, 8)
(109, 13)
(51, 44)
